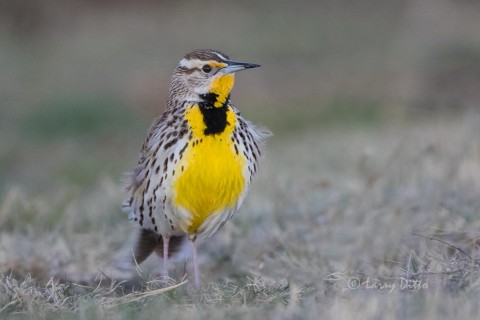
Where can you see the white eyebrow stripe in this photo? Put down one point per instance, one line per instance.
(220, 56)
(185, 63)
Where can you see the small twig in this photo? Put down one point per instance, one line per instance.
(141, 295)
(429, 273)
(101, 271)
(444, 242)
(137, 266)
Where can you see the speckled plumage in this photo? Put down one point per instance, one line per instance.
(198, 116)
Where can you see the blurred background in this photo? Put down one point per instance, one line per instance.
(81, 80)
(374, 108)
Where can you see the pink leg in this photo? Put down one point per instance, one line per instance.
(196, 270)
(166, 239)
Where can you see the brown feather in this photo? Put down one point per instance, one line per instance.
(205, 54)
(174, 245)
(148, 242)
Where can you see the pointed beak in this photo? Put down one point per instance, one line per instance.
(234, 66)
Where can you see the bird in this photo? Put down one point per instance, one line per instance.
(197, 162)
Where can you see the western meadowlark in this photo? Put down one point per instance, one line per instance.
(197, 162)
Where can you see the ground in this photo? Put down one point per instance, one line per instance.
(344, 221)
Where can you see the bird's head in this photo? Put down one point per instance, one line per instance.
(208, 76)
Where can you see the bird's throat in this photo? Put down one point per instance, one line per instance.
(220, 89)
(214, 118)
(214, 105)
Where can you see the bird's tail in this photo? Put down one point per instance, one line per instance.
(148, 242)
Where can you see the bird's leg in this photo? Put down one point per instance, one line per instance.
(166, 240)
(196, 270)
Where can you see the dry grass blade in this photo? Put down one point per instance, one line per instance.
(141, 295)
(444, 242)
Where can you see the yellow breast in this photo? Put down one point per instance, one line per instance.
(212, 179)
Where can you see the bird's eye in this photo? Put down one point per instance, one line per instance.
(207, 68)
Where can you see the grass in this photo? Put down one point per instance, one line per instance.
(361, 221)
(362, 209)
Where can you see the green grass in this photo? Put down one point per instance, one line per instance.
(76, 117)
(297, 115)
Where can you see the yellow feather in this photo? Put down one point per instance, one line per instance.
(222, 87)
(212, 180)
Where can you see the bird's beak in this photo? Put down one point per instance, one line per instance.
(234, 66)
